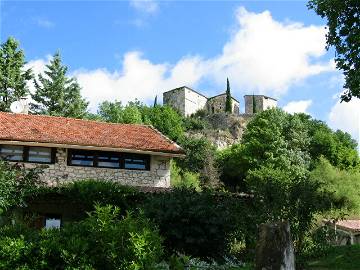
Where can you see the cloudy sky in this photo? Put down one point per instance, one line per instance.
(122, 50)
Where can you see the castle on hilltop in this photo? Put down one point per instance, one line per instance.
(188, 101)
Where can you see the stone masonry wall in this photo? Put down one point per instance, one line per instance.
(175, 99)
(60, 172)
(217, 104)
(193, 102)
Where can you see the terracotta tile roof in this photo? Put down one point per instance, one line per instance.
(69, 131)
(353, 225)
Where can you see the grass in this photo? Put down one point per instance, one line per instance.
(340, 257)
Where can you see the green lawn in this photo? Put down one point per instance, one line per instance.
(344, 258)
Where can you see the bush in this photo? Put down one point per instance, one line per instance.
(86, 193)
(200, 224)
(104, 240)
(16, 183)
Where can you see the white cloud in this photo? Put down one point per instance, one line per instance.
(45, 23)
(262, 56)
(146, 6)
(268, 56)
(300, 106)
(138, 78)
(346, 116)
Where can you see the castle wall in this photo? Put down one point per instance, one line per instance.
(193, 102)
(217, 105)
(261, 103)
(175, 99)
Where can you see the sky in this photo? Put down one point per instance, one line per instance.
(126, 50)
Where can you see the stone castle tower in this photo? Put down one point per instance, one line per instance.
(188, 101)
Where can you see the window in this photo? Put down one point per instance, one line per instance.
(136, 162)
(52, 221)
(104, 159)
(12, 152)
(81, 158)
(39, 155)
(108, 160)
(27, 153)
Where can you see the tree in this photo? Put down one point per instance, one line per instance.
(253, 104)
(337, 147)
(155, 101)
(228, 102)
(13, 77)
(56, 94)
(200, 158)
(164, 119)
(111, 111)
(343, 18)
(132, 115)
(16, 183)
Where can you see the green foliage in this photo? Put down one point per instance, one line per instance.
(163, 118)
(228, 102)
(344, 184)
(200, 224)
(273, 163)
(184, 179)
(200, 158)
(233, 164)
(56, 94)
(166, 120)
(338, 257)
(343, 34)
(86, 193)
(16, 183)
(13, 77)
(185, 262)
(254, 104)
(104, 240)
(338, 147)
(194, 123)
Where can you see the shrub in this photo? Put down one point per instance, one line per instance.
(104, 240)
(200, 224)
(16, 183)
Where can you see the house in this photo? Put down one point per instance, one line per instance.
(347, 232)
(75, 149)
(187, 101)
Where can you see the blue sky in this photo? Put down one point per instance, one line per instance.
(138, 49)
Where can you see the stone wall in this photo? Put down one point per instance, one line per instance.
(175, 99)
(217, 105)
(261, 103)
(60, 172)
(184, 100)
(193, 102)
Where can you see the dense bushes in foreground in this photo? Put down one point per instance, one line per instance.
(104, 240)
(199, 224)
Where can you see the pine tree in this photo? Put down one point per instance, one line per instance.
(13, 78)
(56, 94)
(228, 102)
(155, 101)
(254, 104)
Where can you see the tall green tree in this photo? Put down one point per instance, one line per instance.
(228, 102)
(343, 21)
(56, 94)
(155, 101)
(13, 77)
(253, 104)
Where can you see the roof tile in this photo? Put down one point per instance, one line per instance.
(70, 131)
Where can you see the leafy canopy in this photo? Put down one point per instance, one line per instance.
(56, 94)
(13, 77)
(343, 17)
